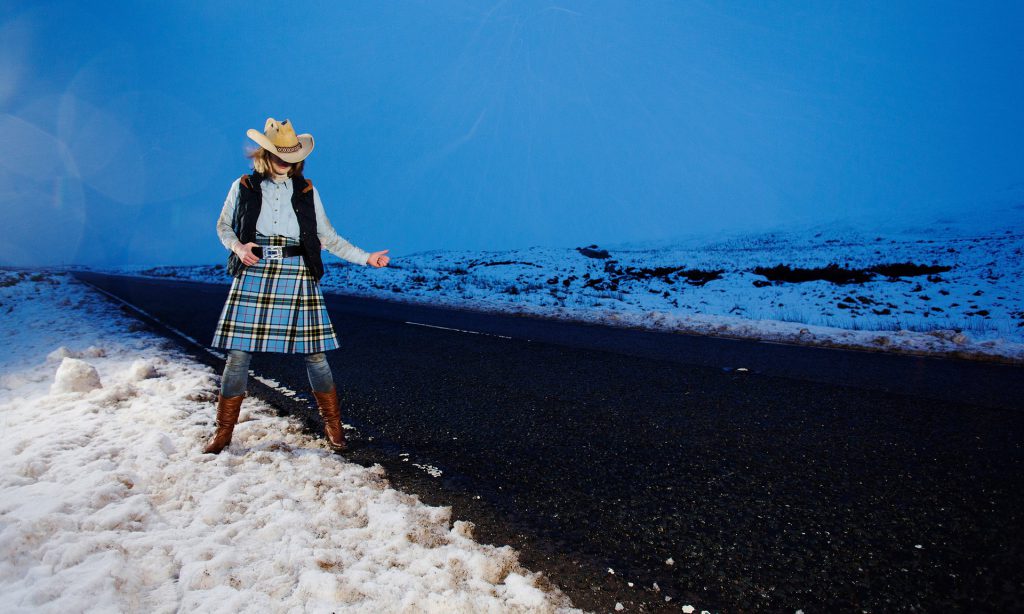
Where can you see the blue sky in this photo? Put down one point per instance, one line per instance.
(473, 125)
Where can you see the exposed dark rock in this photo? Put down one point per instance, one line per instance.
(592, 251)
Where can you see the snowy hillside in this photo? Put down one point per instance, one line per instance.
(108, 503)
(940, 288)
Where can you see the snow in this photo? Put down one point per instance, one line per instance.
(107, 502)
(973, 310)
(74, 375)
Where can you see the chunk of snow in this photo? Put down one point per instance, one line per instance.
(463, 528)
(521, 591)
(61, 353)
(140, 370)
(75, 375)
(94, 352)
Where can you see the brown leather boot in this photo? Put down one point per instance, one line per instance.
(227, 416)
(330, 411)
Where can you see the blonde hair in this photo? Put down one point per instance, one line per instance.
(261, 163)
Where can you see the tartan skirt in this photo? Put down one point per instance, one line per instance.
(275, 306)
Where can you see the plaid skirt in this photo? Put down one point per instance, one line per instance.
(275, 306)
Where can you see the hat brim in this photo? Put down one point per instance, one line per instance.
(305, 142)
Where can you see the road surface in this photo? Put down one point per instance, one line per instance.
(730, 475)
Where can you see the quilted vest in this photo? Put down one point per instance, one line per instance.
(250, 202)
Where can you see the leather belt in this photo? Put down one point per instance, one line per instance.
(274, 252)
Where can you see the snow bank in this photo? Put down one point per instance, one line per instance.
(108, 504)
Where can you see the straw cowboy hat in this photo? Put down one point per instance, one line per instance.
(279, 139)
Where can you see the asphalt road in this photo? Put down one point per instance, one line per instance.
(816, 479)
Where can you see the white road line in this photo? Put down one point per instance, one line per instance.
(270, 383)
(265, 381)
(220, 355)
(458, 330)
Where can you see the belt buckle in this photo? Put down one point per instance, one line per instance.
(273, 252)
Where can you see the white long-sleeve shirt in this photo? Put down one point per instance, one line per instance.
(278, 218)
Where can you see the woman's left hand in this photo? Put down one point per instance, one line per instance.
(378, 259)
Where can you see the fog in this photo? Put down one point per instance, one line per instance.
(464, 125)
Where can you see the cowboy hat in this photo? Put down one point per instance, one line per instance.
(279, 139)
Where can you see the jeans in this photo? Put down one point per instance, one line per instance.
(236, 373)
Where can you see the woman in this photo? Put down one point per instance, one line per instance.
(275, 226)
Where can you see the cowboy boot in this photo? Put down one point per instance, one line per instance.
(227, 416)
(330, 411)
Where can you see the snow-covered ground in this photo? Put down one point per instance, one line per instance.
(945, 287)
(107, 502)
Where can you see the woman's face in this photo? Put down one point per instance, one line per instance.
(280, 166)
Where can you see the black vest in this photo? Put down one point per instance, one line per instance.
(250, 202)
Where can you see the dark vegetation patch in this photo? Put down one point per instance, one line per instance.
(907, 269)
(12, 278)
(699, 277)
(503, 262)
(599, 283)
(844, 275)
(667, 274)
(833, 273)
(8, 279)
(592, 251)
